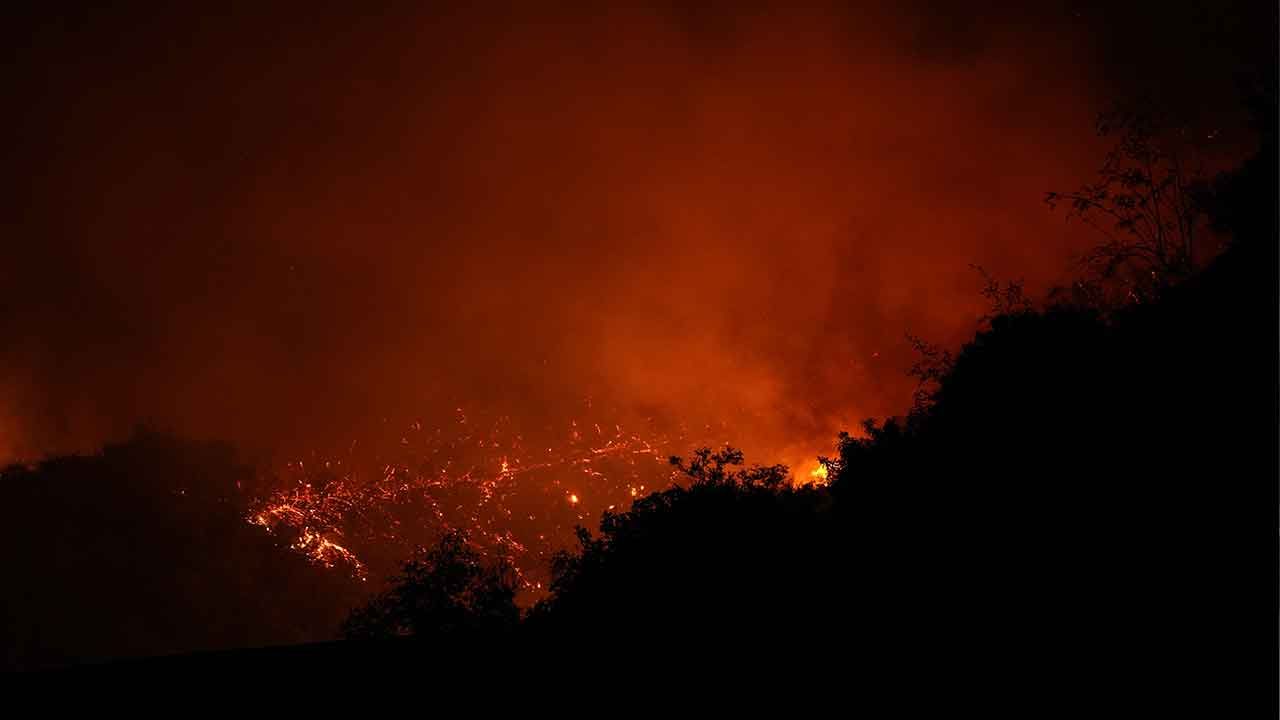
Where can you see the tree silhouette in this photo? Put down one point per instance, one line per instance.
(714, 468)
(1146, 203)
(736, 551)
(442, 590)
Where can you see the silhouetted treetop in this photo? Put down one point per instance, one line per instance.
(1146, 203)
(441, 590)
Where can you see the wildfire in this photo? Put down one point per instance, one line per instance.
(366, 514)
(518, 496)
(818, 475)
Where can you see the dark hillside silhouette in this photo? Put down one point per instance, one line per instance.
(1063, 514)
(143, 550)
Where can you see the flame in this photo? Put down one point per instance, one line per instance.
(817, 474)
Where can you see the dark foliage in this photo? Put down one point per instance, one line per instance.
(1147, 204)
(734, 552)
(1077, 489)
(442, 590)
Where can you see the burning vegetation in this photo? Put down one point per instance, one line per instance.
(516, 495)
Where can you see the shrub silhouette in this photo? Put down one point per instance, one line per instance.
(442, 590)
(736, 551)
(1147, 203)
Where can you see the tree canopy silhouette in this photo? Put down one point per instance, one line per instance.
(736, 550)
(442, 590)
(1148, 202)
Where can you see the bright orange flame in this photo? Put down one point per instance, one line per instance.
(818, 475)
(573, 499)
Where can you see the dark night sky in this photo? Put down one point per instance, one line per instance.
(279, 226)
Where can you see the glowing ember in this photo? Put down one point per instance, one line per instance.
(365, 514)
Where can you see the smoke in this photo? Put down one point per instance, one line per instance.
(293, 229)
